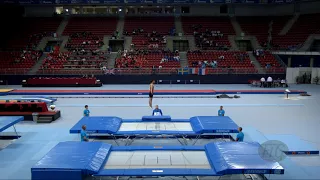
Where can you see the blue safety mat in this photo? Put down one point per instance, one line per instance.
(98, 124)
(76, 157)
(156, 118)
(240, 158)
(213, 124)
(8, 121)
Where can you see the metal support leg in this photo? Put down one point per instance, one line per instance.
(185, 140)
(180, 140)
(196, 140)
(15, 131)
(114, 139)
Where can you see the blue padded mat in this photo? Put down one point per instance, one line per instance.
(8, 121)
(98, 124)
(156, 118)
(240, 158)
(213, 124)
(83, 156)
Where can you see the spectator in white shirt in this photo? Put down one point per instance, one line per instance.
(221, 57)
(283, 83)
(269, 81)
(263, 81)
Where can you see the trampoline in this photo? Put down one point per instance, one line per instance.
(8, 121)
(73, 160)
(157, 127)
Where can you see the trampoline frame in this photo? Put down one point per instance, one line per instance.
(181, 138)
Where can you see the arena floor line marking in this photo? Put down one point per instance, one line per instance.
(182, 105)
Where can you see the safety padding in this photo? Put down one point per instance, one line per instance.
(156, 118)
(71, 160)
(213, 124)
(239, 158)
(98, 124)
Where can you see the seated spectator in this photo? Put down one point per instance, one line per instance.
(284, 83)
(52, 108)
(165, 59)
(221, 57)
(157, 111)
(268, 66)
(269, 81)
(262, 81)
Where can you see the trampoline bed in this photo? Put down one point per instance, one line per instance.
(73, 160)
(157, 126)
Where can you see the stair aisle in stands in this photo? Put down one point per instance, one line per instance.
(256, 63)
(178, 25)
(37, 65)
(112, 59)
(183, 59)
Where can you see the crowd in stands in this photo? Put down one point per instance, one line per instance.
(217, 60)
(34, 39)
(207, 39)
(76, 59)
(24, 59)
(266, 59)
(28, 55)
(85, 40)
(152, 40)
(146, 58)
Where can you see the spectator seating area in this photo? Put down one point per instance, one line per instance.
(215, 30)
(299, 32)
(64, 82)
(224, 59)
(88, 32)
(18, 61)
(267, 60)
(83, 59)
(98, 26)
(148, 31)
(259, 26)
(84, 40)
(148, 59)
(26, 109)
(31, 31)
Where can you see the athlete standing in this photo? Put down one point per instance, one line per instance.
(151, 91)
